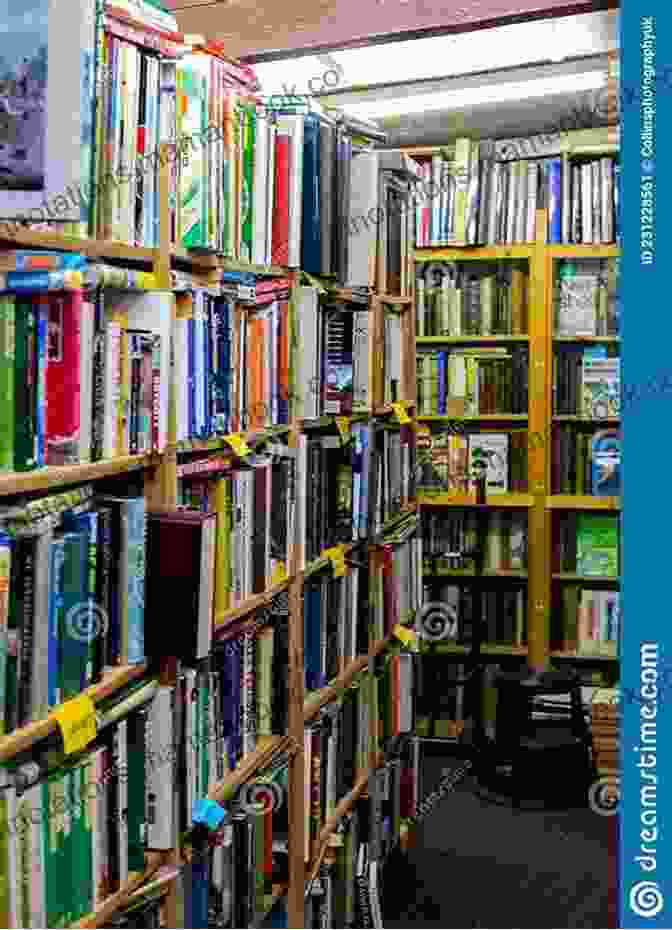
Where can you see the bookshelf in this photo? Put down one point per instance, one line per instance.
(159, 477)
(540, 503)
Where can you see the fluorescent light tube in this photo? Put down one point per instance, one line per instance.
(476, 95)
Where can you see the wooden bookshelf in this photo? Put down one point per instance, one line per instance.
(19, 740)
(154, 861)
(47, 479)
(539, 501)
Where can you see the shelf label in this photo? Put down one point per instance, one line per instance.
(400, 412)
(404, 635)
(343, 424)
(337, 558)
(77, 722)
(238, 444)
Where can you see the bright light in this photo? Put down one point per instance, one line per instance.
(473, 96)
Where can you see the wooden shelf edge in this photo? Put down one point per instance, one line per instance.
(44, 479)
(458, 340)
(250, 764)
(583, 656)
(153, 862)
(343, 807)
(93, 248)
(226, 617)
(522, 501)
(325, 695)
(437, 253)
(21, 739)
(582, 502)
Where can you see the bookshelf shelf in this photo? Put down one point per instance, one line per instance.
(343, 808)
(584, 656)
(602, 340)
(582, 502)
(491, 649)
(248, 766)
(230, 264)
(572, 418)
(442, 253)
(425, 499)
(469, 340)
(583, 251)
(46, 479)
(93, 248)
(325, 695)
(154, 861)
(23, 738)
(225, 617)
(488, 573)
(480, 418)
(569, 577)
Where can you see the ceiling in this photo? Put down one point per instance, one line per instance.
(253, 28)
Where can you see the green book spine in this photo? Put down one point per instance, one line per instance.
(247, 185)
(24, 387)
(88, 787)
(74, 645)
(4, 861)
(136, 790)
(7, 345)
(5, 574)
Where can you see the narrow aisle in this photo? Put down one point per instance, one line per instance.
(483, 865)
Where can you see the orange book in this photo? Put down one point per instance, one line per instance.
(283, 362)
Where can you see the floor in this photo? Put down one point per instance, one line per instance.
(477, 864)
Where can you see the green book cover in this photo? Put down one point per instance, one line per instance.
(136, 790)
(190, 88)
(597, 545)
(87, 787)
(4, 862)
(246, 192)
(24, 386)
(7, 344)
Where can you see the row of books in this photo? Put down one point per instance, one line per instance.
(392, 473)
(72, 829)
(472, 299)
(73, 601)
(450, 540)
(587, 382)
(590, 620)
(473, 381)
(84, 376)
(447, 463)
(582, 463)
(395, 591)
(588, 544)
(480, 197)
(587, 298)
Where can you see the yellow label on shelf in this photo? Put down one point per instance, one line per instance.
(400, 411)
(238, 444)
(337, 558)
(403, 634)
(279, 574)
(343, 424)
(77, 722)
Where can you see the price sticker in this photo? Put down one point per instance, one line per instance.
(404, 635)
(207, 812)
(238, 444)
(279, 574)
(401, 414)
(77, 722)
(337, 558)
(343, 424)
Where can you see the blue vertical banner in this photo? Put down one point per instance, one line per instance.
(645, 849)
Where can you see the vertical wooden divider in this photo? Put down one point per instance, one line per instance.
(540, 374)
(295, 678)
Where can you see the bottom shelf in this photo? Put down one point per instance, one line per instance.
(153, 861)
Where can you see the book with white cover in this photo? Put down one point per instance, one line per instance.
(364, 219)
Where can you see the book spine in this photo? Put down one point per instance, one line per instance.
(7, 354)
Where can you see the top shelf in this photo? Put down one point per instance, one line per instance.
(523, 251)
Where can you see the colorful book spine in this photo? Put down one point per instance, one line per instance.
(7, 350)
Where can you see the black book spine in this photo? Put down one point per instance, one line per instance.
(26, 619)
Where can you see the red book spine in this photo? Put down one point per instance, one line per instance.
(63, 378)
(280, 243)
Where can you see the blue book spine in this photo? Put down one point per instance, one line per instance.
(5, 575)
(41, 331)
(191, 369)
(364, 506)
(310, 212)
(93, 626)
(135, 554)
(555, 200)
(200, 372)
(57, 558)
(441, 377)
(226, 366)
(211, 347)
(65, 261)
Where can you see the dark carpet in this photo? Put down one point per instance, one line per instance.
(477, 864)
